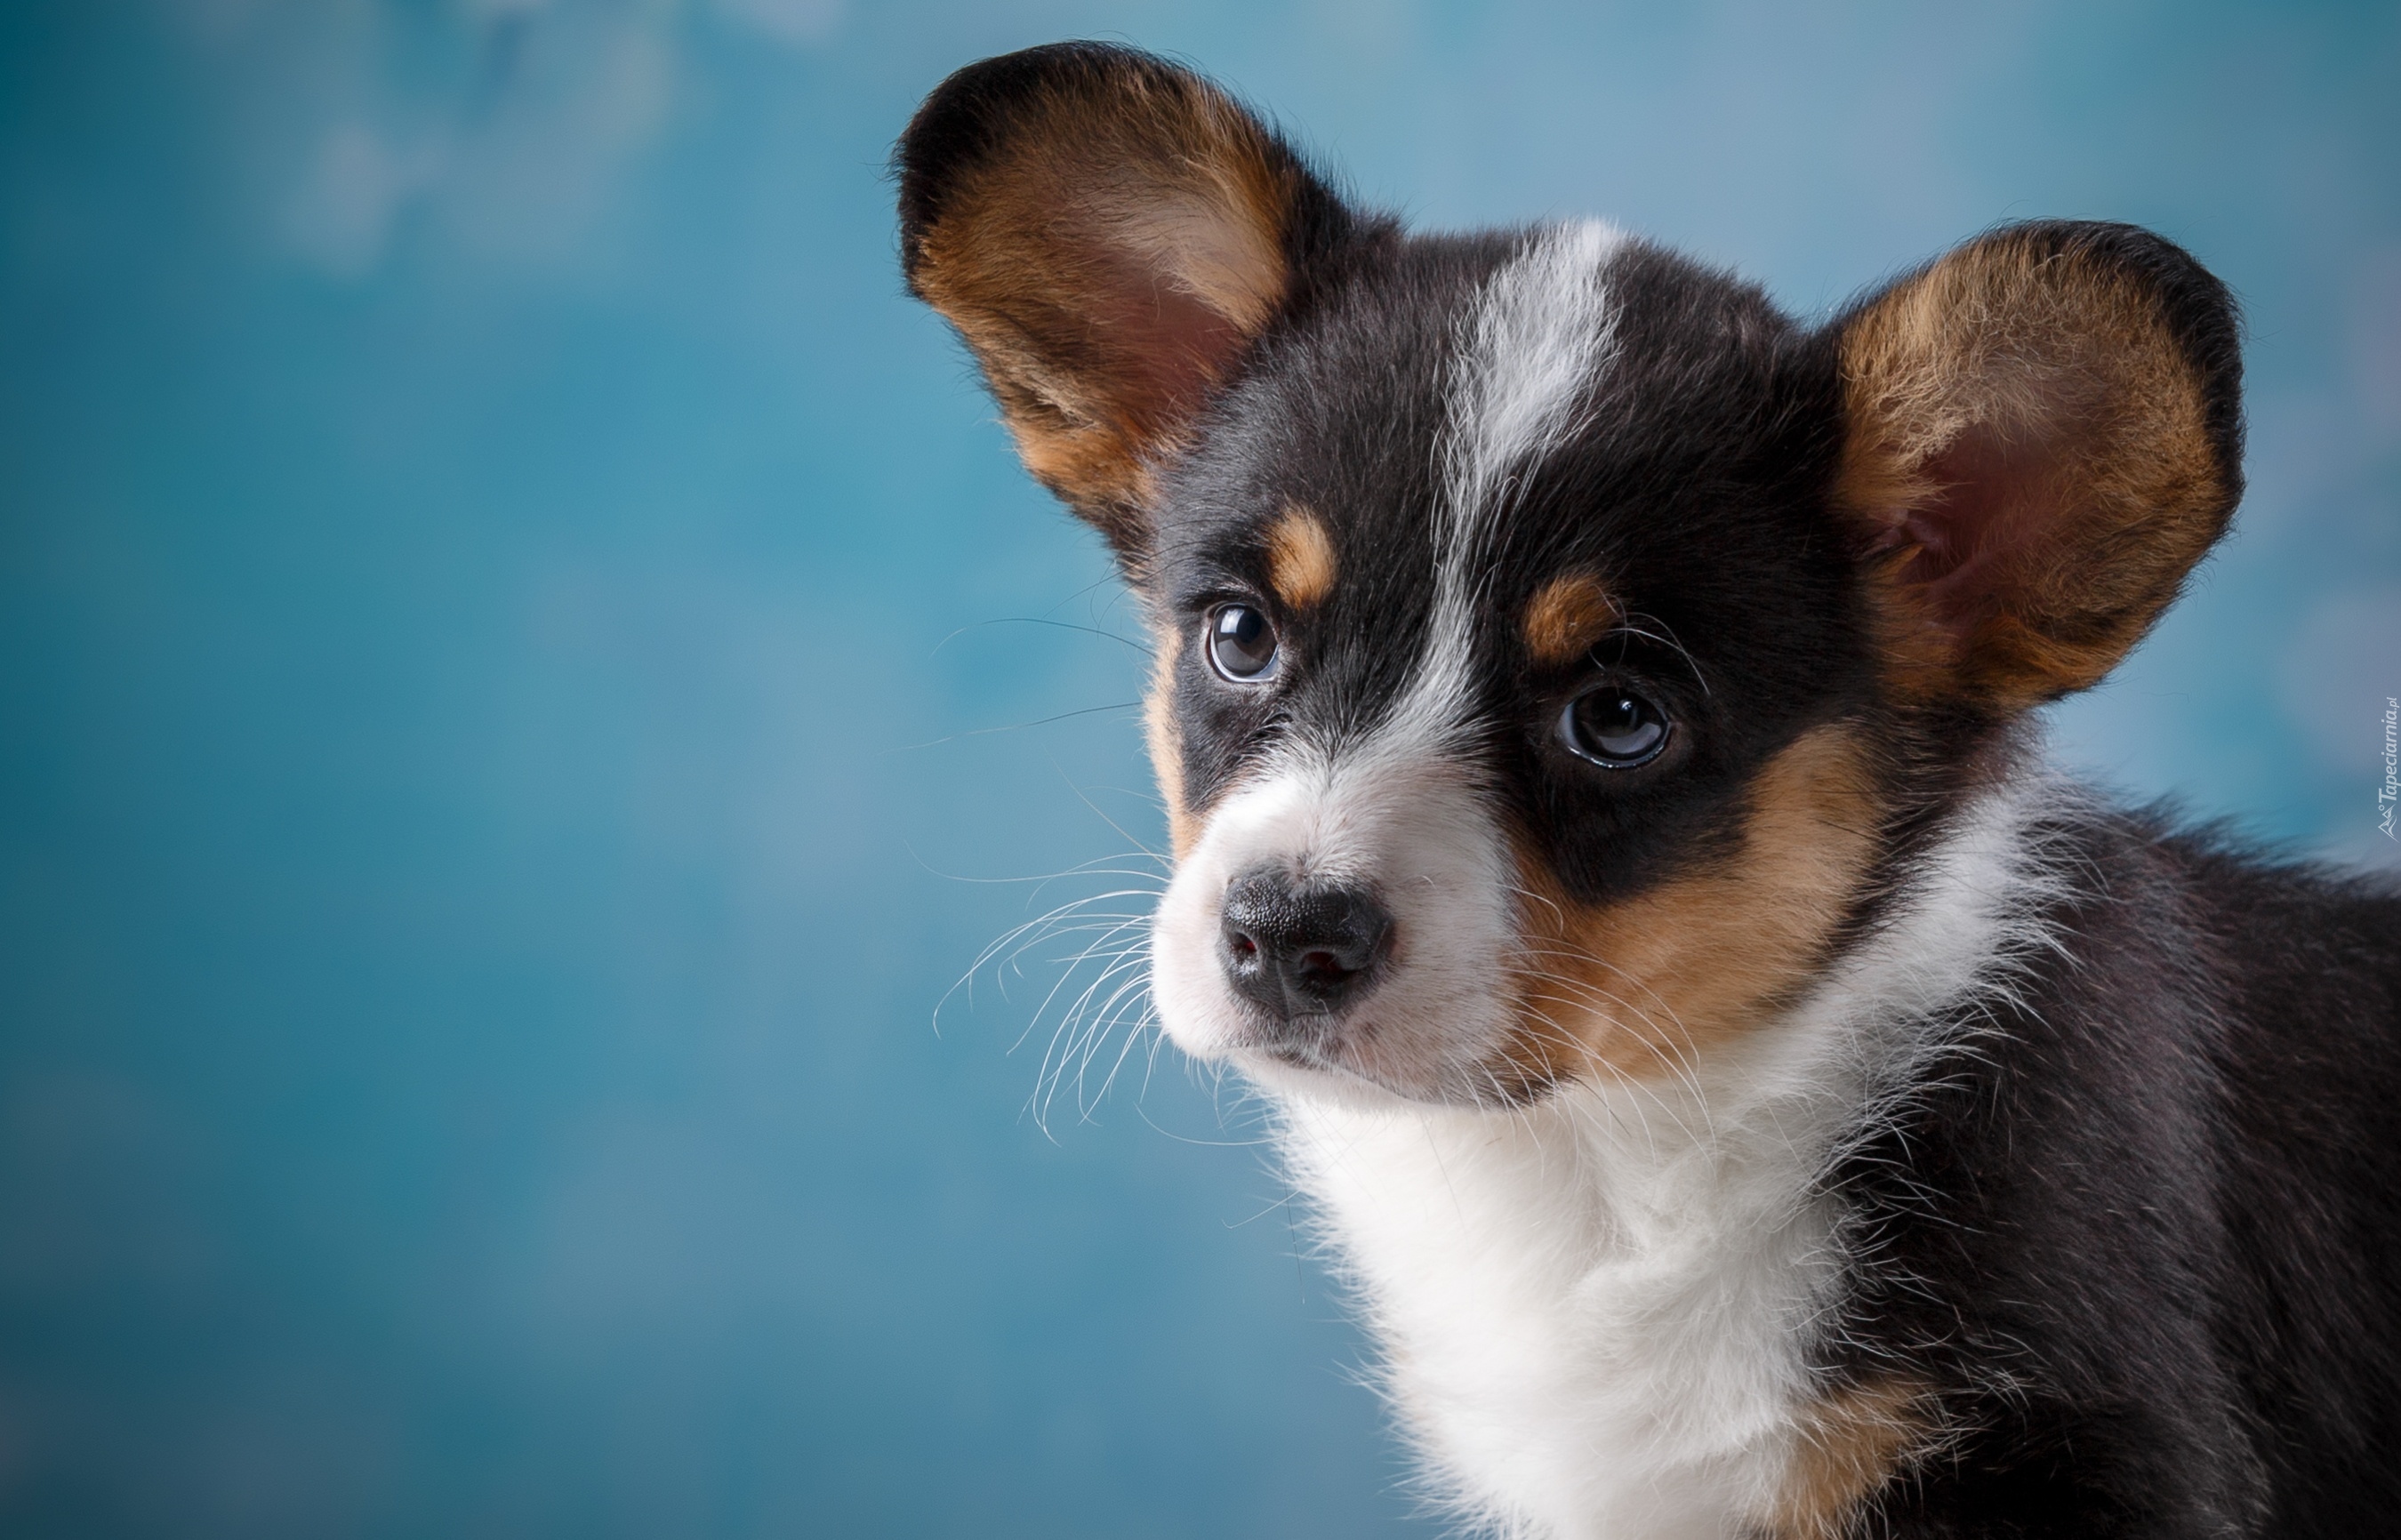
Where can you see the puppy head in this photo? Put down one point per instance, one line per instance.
(1561, 652)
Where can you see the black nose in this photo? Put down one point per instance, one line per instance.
(1301, 949)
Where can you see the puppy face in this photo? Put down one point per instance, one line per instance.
(1561, 652)
(1532, 534)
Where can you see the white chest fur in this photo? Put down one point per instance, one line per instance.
(1596, 1312)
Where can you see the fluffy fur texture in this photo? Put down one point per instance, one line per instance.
(1642, 1266)
(1751, 1096)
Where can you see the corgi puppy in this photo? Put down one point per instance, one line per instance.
(1749, 1093)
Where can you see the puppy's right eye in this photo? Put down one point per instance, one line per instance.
(1241, 644)
(1615, 729)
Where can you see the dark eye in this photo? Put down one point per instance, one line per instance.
(1241, 644)
(1613, 727)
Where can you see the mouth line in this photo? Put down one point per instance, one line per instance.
(1317, 1047)
(1323, 1052)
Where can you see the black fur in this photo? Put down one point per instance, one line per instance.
(2145, 1235)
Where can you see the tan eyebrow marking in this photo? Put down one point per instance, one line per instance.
(1300, 558)
(1568, 616)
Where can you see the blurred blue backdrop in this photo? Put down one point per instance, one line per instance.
(504, 747)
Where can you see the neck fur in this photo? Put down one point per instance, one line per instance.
(1598, 1310)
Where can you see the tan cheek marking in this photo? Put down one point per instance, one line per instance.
(1166, 742)
(1300, 558)
(1852, 1443)
(1640, 988)
(1567, 617)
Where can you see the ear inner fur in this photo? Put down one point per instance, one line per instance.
(1300, 558)
(1640, 987)
(2041, 446)
(1569, 614)
(1108, 235)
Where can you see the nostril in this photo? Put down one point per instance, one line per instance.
(1301, 948)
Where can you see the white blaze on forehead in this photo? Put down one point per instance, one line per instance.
(1534, 339)
(1531, 347)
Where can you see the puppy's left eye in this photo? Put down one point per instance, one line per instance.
(1613, 727)
(1241, 644)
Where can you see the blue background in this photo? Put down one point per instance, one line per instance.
(510, 684)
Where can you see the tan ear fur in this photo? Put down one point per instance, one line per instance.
(1108, 233)
(2041, 441)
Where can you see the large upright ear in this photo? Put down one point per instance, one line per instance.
(2043, 434)
(1110, 234)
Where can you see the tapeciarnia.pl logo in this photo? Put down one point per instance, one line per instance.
(2387, 794)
